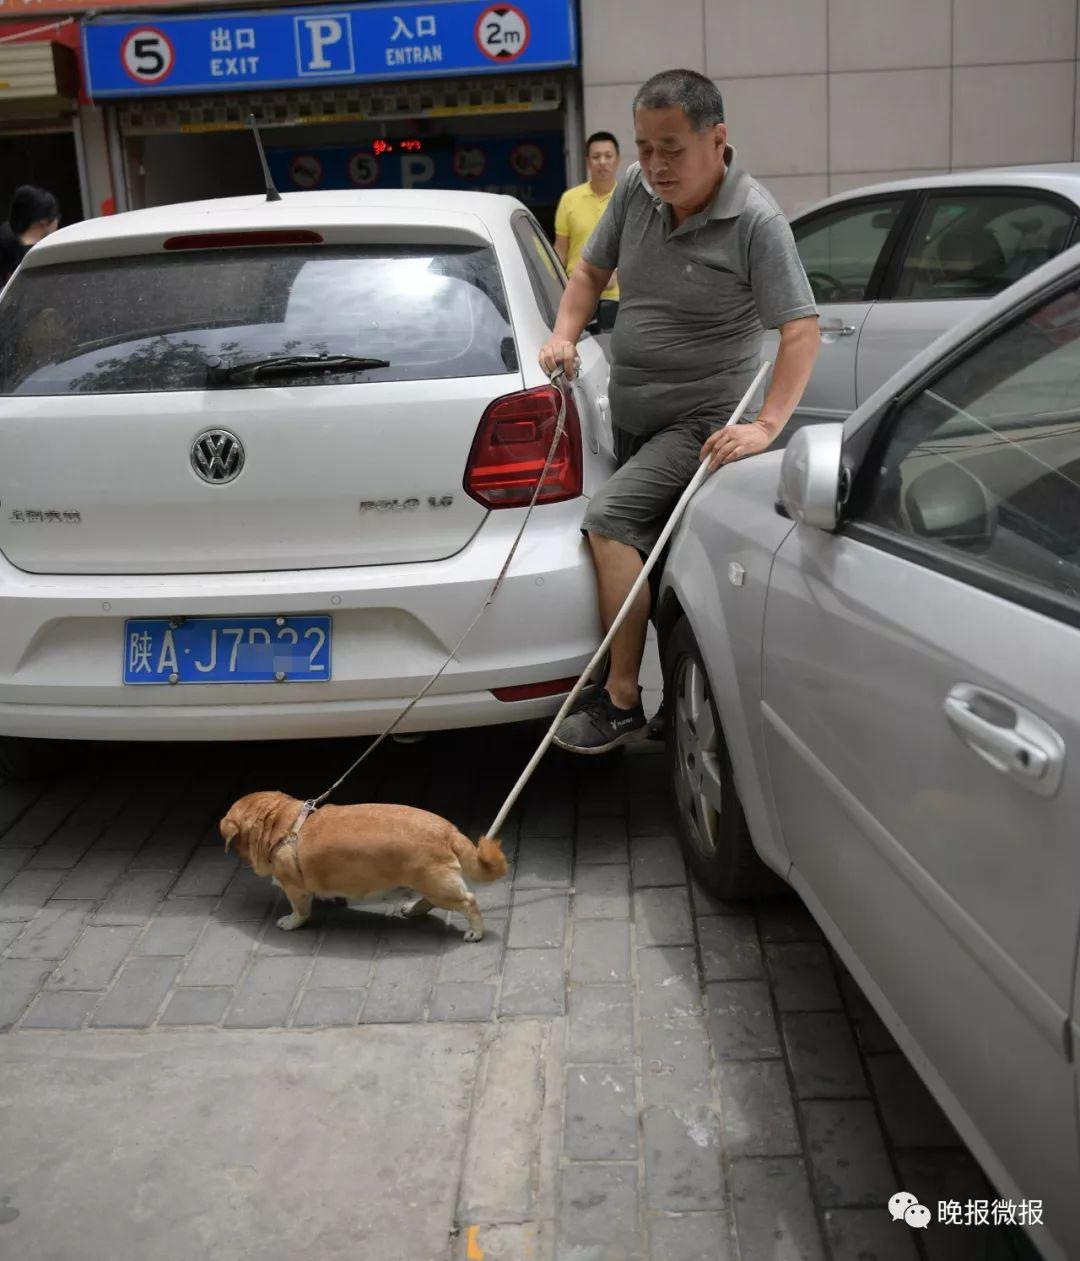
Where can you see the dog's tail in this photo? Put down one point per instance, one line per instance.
(484, 861)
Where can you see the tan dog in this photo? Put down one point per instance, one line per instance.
(354, 851)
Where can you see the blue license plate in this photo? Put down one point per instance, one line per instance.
(227, 650)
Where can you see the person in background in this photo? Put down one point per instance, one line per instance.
(34, 214)
(580, 208)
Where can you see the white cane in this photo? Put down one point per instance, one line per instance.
(672, 521)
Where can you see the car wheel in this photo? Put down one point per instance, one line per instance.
(712, 826)
(23, 759)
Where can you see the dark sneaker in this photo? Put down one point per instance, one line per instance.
(597, 725)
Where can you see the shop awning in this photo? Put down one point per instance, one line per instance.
(37, 78)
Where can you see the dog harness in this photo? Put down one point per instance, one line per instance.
(293, 834)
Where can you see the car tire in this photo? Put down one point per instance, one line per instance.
(713, 831)
(22, 759)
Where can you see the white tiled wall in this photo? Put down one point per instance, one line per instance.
(823, 96)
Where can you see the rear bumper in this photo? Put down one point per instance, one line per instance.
(61, 644)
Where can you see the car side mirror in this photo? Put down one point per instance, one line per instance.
(810, 476)
(950, 505)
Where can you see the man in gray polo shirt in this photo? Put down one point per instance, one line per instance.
(706, 262)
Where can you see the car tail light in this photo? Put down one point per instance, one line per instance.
(231, 240)
(511, 445)
(530, 691)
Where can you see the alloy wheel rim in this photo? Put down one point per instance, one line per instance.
(698, 785)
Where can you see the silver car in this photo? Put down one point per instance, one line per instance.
(872, 656)
(893, 266)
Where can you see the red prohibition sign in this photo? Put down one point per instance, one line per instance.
(502, 32)
(147, 55)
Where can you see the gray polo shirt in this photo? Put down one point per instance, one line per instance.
(695, 299)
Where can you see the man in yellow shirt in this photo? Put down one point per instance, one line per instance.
(580, 208)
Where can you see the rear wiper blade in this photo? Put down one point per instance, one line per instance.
(218, 371)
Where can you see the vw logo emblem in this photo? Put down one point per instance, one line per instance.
(217, 456)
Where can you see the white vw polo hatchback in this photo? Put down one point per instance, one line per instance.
(260, 463)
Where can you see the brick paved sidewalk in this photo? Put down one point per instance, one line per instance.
(727, 1090)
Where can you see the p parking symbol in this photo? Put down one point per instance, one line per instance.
(324, 45)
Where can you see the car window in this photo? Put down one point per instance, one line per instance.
(985, 463)
(973, 245)
(150, 322)
(545, 272)
(840, 248)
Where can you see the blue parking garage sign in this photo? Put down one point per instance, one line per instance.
(224, 52)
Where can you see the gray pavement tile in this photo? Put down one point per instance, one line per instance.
(328, 1007)
(196, 1006)
(130, 828)
(602, 839)
(651, 815)
(848, 1161)
(864, 1234)
(37, 823)
(11, 861)
(601, 1025)
(802, 976)
(137, 995)
(265, 996)
(741, 1021)
(759, 1187)
(786, 919)
(547, 815)
(494, 898)
(656, 860)
(426, 935)
(26, 893)
(53, 931)
(221, 955)
(601, 794)
(247, 897)
(175, 928)
(824, 1061)
(756, 1109)
(911, 1115)
(134, 898)
(543, 864)
(155, 855)
(669, 984)
(95, 958)
(462, 1000)
(61, 1009)
(683, 1159)
(8, 932)
(598, 1214)
(870, 1031)
(952, 1175)
(20, 980)
(399, 989)
(15, 800)
(691, 1237)
(707, 903)
(64, 848)
(533, 983)
(729, 948)
(675, 1064)
(537, 918)
(207, 873)
(602, 892)
(600, 954)
(475, 961)
(601, 1114)
(662, 917)
(93, 875)
(289, 943)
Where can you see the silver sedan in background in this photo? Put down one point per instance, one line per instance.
(871, 645)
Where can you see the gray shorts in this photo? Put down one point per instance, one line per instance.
(634, 504)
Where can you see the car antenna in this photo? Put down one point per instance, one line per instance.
(272, 193)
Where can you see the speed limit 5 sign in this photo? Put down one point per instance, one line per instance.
(148, 55)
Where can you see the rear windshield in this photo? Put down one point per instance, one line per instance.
(128, 325)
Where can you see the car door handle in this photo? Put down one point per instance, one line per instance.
(1011, 739)
(837, 328)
